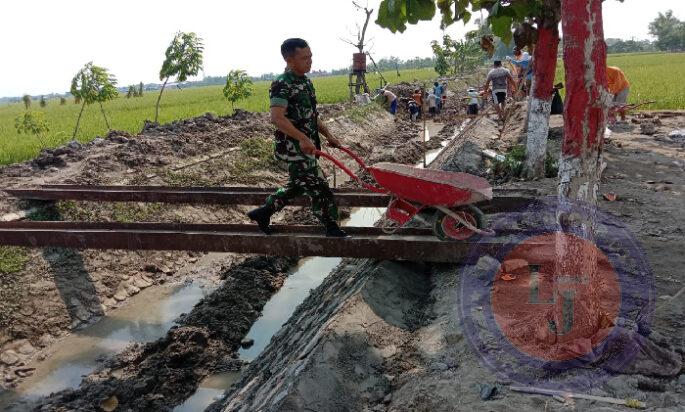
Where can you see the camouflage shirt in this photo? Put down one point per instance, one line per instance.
(297, 95)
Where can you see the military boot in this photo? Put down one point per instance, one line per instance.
(262, 215)
(333, 230)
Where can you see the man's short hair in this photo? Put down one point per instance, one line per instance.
(498, 63)
(290, 46)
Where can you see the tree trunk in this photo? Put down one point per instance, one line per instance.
(78, 120)
(105, 116)
(160, 98)
(579, 167)
(545, 60)
(587, 100)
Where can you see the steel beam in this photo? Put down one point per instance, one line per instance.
(504, 199)
(406, 244)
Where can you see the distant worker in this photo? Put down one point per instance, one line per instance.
(293, 112)
(438, 91)
(390, 98)
(412, 108)
(502, 82)
(521, 61)
(443, 96)
(473, 97)
(432, 103)
(418, 98)
(619, 87)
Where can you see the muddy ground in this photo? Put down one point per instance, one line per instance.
(69, 290)
(395, 342)
(374, 336)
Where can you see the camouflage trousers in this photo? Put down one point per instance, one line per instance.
(306, 178)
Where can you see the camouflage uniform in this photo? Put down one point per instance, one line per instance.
(297, 95)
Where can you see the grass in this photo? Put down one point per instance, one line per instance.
(652, 76)
(129, 114)
(12, 259)
(512, 165)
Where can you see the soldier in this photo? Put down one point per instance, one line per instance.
(293, 112)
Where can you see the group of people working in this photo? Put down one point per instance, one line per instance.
(520, 83)
(435, 100)
(299, 129)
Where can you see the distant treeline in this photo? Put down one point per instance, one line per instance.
(630, 46)
(384, 64)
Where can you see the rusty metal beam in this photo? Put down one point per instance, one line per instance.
(505, 199)
(407, 244)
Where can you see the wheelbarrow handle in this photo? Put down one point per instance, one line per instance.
(349, 172)
(354, 156)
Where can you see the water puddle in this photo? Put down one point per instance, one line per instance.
(433, 154)
(147, 317)
(210, 390)
(307, 275)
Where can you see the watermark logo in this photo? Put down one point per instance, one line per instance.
(550, 307)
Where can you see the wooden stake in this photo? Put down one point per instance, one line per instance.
(631, 403)
(423, 93)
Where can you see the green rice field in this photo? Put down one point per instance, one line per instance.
(129, 114)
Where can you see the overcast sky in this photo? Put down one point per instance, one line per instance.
(45, 42)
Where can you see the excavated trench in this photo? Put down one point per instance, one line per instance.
(150, 314)
(389, 336)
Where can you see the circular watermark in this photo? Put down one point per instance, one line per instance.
(545, 304)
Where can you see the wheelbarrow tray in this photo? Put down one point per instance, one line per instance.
(431, 187)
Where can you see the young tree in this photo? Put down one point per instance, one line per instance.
(93, 84)
(183, 58)
(457, 55)
(441, 65)
(238, 86)
(62, 101)
(42, 102)
(360, 43)
(33, 123)
(140, 90)
(669, 31)
(131, 92)
(27, 101)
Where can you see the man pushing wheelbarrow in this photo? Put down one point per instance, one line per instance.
(451, 196)
(293, 112)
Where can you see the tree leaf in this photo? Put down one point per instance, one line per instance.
(501, 27)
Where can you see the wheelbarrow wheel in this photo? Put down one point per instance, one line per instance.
(447, 227)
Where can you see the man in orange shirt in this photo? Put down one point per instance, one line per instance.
(619, 87)
(418, 98)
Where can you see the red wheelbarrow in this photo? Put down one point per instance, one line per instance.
(412, 190)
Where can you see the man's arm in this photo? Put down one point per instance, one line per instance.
(512, 82)
(327, 133)
(286, 126)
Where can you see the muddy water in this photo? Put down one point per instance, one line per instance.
(307, 275)
(147, 317)
(432, 154)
